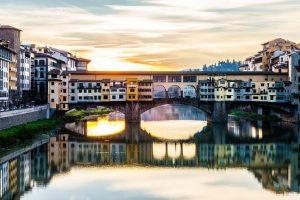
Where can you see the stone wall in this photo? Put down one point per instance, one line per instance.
(22, 116)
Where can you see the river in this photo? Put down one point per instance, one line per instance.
(174, 153)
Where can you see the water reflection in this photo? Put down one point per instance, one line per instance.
(128, 161)
(111, 124)
(275, 165)
(173, 122)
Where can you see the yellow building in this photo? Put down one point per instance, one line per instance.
(132, 89)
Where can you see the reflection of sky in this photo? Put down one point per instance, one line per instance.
(173, 122)
(155, 183)
(104, 126)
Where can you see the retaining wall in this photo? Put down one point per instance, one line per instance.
(22, 116)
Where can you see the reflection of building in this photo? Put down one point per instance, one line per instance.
(13, 176)
(4, 179)
(24, 172)
(59, 152)
(40, 171)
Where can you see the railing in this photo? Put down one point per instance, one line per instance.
(22, 111)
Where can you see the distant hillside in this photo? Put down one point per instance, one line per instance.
(220, 66)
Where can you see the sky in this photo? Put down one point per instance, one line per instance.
(154, 34)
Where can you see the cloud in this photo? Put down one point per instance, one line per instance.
(166, 34)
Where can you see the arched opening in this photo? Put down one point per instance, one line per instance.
(174, 91)
(189, 91)
(159, 92)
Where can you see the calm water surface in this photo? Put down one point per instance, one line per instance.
(172, 154)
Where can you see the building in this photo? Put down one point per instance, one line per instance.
(25, 70)
(8, 72)
(132, 89)
(13, 36)
(82, 64)
(237, 90)
(43, 64)
(272, 57)
(66, 88)
(294, 77)
(145, 89)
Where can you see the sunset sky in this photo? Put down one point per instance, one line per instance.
(154, 34)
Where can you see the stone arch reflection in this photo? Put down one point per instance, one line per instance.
(189, 91)
(189, 150)
(174, 150)
(159, 151)
(159, 92)
(174, 91)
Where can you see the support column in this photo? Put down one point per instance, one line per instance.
(132, 112)
(219, 114)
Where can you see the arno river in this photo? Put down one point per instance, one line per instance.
(172, 154)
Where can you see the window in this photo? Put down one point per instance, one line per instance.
(72, 84)
(72, 91)
(113, 96)
(52, 100)
(42, 62)
(64, 98)
(72, 98)
(131, 90)
(52, 83)
(52, 91)
(189, 79)
(174, 78)
(64, 83)
(159, 78)
(105, 97)
(121, 96)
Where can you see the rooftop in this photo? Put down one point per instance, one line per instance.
(172, 73)
(9, 27)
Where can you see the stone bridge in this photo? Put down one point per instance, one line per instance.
(217, 111)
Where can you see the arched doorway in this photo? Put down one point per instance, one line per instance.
(159, 92)
(174, 91)
(189, 91)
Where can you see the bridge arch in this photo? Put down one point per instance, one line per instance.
(159, 92)
(174, 91)
(189, 91)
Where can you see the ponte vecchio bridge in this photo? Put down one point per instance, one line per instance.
(135, 92)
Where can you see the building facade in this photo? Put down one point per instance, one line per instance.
(8, 72)
(95, 87)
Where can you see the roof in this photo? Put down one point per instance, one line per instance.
(43, 55)
(83, 60)
(171, 73)
(9, 27)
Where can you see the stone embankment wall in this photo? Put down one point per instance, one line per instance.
(22, 116)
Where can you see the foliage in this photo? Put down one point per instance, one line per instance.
(254, 116)
(27, 131)
(78, 115)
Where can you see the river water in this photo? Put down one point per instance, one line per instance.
(174, 153)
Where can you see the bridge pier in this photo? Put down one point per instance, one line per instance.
(219, 112)
(132, 112)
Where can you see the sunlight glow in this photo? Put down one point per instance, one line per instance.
(173, 129)
(103, 127)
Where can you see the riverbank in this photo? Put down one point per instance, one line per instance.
(79, 115)
(253, 116)
(26, 132)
